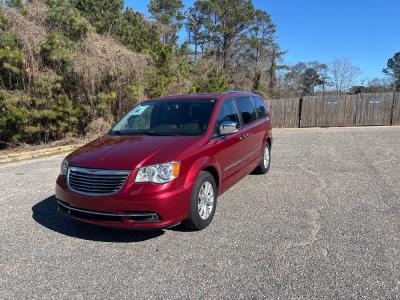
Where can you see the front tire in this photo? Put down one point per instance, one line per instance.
(203, 202)
(263, 167)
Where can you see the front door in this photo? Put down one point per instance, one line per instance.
(230, 148)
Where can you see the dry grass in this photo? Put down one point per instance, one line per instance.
(181, 86)
(101, 57)
(94, 130)
(36, 11)
(28, 32)
(30, 35)
(64, 142)
(97, 128)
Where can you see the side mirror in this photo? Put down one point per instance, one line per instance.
(227, 127)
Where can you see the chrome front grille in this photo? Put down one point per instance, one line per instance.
(96, 181)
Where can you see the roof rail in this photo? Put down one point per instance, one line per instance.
(232, 91)
(189, 94)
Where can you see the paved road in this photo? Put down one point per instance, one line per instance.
(324, 223)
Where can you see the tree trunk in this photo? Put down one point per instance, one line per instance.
(272, 70)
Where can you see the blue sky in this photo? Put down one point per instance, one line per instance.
(365, 31)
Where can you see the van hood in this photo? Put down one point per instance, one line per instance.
(130, 152)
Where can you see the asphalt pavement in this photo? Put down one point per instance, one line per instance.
(323, 223)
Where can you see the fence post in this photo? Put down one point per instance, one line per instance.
(392, 112)
(300, 108)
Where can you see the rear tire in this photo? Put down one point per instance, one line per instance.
(263, 167)
(203, 202)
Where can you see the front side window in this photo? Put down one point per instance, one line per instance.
(227, 112)
(261, 107)
(246, 110)
(167, 117)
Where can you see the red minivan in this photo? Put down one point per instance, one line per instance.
(167, 161)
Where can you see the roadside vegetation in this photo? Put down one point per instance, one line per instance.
(70, 68)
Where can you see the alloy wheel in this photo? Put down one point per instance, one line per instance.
(206, 200)
(266, 157)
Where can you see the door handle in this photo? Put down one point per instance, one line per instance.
(244, 136)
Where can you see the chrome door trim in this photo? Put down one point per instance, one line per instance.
(240, 160)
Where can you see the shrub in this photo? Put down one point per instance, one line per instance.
(11, 61)
(214, 81)
(14, 117)
(97, 128)
(47, 85)
(64, 17)
(4, 22)
(57, 50)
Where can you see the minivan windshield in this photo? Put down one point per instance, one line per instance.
(167, 117)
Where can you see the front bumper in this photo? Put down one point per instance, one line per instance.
(138, 206)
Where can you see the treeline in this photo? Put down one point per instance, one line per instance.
(65, 64)
(338, 77)
(72, 67)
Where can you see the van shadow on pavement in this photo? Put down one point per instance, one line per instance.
(46, 214)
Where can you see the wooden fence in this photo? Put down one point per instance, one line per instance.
(337, 110)
(285, 112)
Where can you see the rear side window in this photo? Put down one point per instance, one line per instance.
(246, 110)
(261, 107)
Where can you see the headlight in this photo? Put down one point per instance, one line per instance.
(64, 167)
(162, 173)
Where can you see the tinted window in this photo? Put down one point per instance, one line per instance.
(246, 109)
(260, 106)
(227, 112)
(167, 117)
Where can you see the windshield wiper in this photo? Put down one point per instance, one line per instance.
(125, 132)
(143, 132)
(116, 132)
(160, 133)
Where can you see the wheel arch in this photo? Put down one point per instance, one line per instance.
(204, 164)
(214, 172)
(269, 142)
